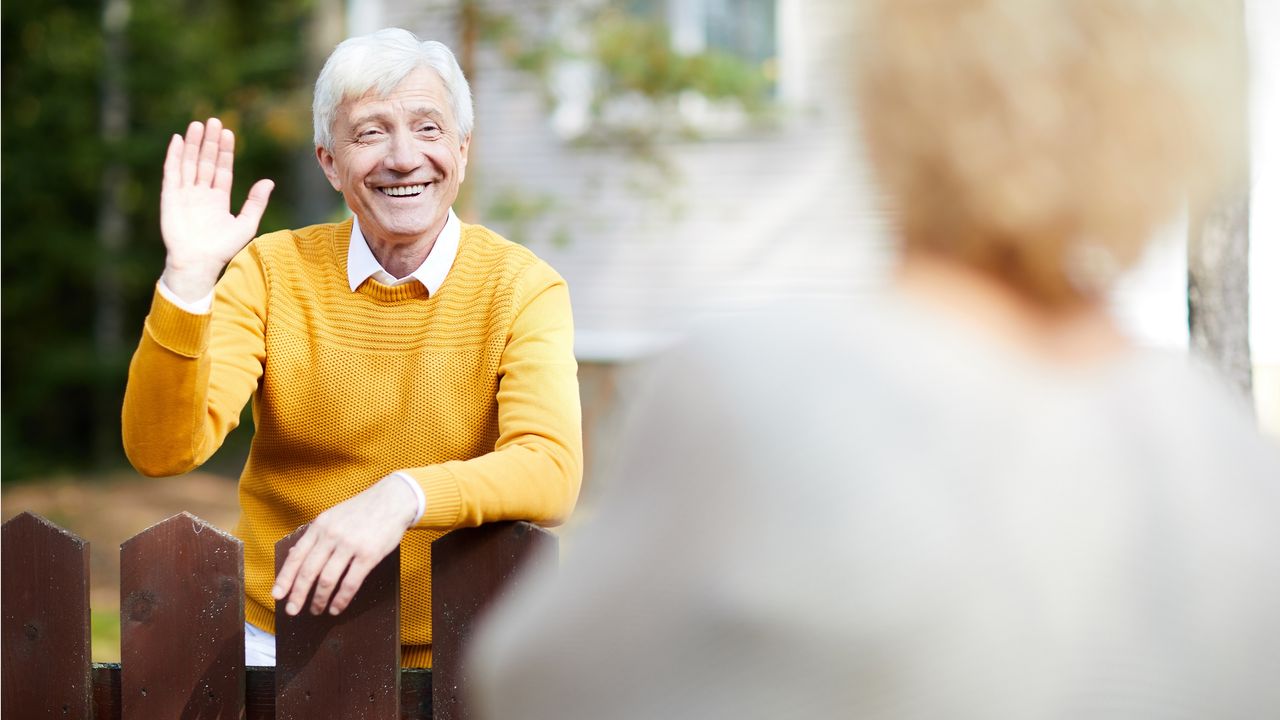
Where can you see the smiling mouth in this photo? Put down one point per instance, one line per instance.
(403, 190)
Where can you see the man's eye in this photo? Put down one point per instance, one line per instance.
(429, 128)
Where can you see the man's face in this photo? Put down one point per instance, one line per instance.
(398, 160)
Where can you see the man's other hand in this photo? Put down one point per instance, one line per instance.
(344, 544)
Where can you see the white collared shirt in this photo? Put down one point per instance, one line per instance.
(362, 265)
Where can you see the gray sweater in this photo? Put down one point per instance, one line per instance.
(831, 514)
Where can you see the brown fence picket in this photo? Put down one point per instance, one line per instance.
(182, 622)
(45, 604)
(345, 666)
(470, 569)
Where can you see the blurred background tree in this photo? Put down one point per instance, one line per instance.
(641, 79)
(1218, 259)
(91, 93)
(618, 77)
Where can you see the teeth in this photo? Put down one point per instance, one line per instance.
(404, 191)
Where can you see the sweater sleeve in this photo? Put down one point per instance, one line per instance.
(192, 374)
(535, 470)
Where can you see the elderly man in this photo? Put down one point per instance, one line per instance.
(410, 374)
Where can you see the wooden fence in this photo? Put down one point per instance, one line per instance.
(182, 629)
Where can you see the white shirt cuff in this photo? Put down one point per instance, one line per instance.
(199, 307)
(417, 492)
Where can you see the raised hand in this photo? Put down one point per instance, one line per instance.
(200, 233)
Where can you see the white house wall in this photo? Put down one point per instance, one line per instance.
(755, 216)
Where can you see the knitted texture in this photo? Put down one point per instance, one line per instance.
(472, 391)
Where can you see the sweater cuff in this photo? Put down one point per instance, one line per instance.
(176, 329)
(444, 499)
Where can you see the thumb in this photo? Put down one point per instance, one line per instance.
(256, 203)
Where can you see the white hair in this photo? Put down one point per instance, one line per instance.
(379, 61)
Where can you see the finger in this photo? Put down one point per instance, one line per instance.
(251, 213)
(328, 580)
(292, 563)
(315, 561)
(191, 151)
(256, 204)
(207, 167)
(226, 155)
(173, 164)
(355, 577)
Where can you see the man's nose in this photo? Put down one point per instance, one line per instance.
(402, 154)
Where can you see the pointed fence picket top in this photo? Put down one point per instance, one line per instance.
(344, 667)
(470, 569)
(45, 576)
(182, 622)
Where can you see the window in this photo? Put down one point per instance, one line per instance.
(654, 67)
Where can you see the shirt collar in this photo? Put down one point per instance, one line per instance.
(362, 265)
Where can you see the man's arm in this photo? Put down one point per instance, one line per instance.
(535, 470)
(193, 373)
(190, 376)
(533, 473)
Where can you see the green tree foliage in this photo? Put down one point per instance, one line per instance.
(182, 60)
(635, 56)
(636, 68)
(630, 47)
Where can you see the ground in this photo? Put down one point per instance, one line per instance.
(106, 511)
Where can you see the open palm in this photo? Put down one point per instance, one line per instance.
(200, 233)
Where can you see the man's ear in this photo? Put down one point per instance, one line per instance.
(462, 165)
(330, 168)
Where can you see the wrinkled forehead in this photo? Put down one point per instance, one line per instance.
(422, 79)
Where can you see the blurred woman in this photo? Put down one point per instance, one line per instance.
(974, 498)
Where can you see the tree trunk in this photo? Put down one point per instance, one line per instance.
(469, 19)
(311, 196)
(113, 234)
(1218, 267)
(1218, 288)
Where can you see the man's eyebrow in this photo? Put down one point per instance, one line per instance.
(416, 111)
(426, 111)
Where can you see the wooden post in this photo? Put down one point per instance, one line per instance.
(470, 569)
(345, 667)
(45, 576)
(182, 622)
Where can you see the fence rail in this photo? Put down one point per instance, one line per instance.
(182, 629)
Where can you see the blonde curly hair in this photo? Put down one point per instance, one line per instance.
(1043, 141)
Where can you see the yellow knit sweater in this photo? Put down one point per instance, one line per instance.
(473, 391)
